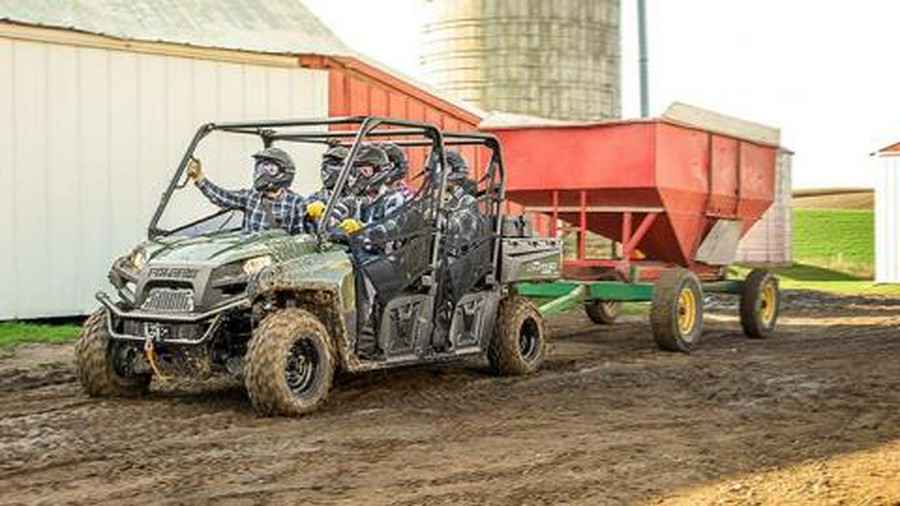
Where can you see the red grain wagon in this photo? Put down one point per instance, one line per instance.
(675, 197)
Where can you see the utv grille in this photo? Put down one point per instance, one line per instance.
(169, 300)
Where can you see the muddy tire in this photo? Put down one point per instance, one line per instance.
(760, 300)
(603, 312)
(289, 365)
(518, 344)
(676, 313)
(95, 361)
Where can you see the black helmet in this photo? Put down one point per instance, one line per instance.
(369, 155)
(332, 162)
(454, 161)
(458, 167)
(399, 163)
(277, 173)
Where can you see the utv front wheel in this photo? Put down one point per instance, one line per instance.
(98, 359)
(518, 343)
(289, 365)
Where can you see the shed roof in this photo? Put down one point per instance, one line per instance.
(270, 26)
(891, 150)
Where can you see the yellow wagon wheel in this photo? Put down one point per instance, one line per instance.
(760, 300)
(676, 313)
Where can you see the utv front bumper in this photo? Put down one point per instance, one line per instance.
(173, 328)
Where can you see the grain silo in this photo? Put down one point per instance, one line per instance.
(550, 58)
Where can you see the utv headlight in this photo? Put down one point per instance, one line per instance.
(137, 259)
(256, 264)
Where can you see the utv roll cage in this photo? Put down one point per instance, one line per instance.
(404, 133)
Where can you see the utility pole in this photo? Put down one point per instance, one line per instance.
(644, 60)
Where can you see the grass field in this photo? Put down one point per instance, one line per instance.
(842, 240)
(834, 248)
(12, 333)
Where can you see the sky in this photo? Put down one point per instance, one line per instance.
(821, 71)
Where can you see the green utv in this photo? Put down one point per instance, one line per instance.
(285, 313)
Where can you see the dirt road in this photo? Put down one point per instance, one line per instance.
(810, 416)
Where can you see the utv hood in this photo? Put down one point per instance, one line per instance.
(223, 248)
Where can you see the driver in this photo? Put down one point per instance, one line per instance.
(270, 204)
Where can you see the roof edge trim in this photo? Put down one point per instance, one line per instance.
(73, 37)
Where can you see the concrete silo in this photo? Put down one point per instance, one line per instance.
(552, 58)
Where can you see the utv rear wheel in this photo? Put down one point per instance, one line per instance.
(518, 343)
(759, 304)
(98, 359)
(289, 364)
(603, 312)
(676, 314)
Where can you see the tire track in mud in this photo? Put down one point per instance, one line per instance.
(609, 419)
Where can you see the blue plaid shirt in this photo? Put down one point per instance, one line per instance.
(288, 208)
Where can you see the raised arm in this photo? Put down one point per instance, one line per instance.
(226, 199)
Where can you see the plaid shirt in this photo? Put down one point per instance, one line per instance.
(288, 208)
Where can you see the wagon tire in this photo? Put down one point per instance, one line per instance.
(603, 312)
(676, 312)
(518, 343)
(289, 364)
(760, 302)
(95, 361)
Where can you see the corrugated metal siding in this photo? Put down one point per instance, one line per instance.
(88, 139)
(769, 242)
(887, 221)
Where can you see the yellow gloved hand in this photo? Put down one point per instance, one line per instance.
(350, 225)
(315, 210)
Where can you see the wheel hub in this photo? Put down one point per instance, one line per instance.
(301, 366)
(767, 303)
(687, 311)
(529, 339)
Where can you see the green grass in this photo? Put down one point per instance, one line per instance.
(834, 251)
(12, 333)
(811, 277)
(836, 239)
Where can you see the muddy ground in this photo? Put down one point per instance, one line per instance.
(811, 416)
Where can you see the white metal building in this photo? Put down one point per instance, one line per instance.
(99, 99)
(887, 215)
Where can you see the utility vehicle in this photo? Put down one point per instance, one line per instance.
(287, 312)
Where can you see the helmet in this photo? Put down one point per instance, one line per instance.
(454, 162)
(458, 167)
(373, 157)
(274, 169)
(399, 163)
(332, 162)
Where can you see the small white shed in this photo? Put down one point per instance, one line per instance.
(887, 215)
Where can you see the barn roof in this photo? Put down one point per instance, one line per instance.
(270, 26)
(892, 150)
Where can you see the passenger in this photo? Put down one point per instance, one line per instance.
(329, 171)
(465, 221)
(270, 204)
(396, 180)
(461, 190)
(366, 177)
